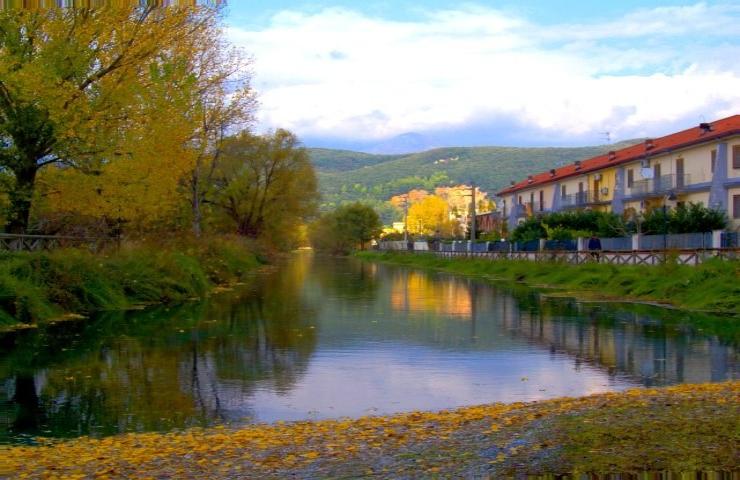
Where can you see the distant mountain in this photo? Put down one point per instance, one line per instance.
(349, 176)
(402, 144)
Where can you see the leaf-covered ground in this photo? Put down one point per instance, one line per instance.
(680, 429)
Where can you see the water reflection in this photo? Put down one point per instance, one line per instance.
(326, 338)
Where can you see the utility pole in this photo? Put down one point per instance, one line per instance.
(406, 218)
(472, 214)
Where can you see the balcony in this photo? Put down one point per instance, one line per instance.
(577, 200)
(659, 186)
(528, 209)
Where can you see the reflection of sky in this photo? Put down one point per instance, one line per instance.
(390, 377)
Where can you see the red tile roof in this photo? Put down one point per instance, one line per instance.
(692, 136)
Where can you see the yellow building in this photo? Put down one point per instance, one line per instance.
(698, 165)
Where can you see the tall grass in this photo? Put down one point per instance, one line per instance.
(713, 286)
(39, 286)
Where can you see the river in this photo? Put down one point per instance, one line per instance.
(323, 338)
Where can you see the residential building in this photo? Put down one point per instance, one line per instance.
(698, 165)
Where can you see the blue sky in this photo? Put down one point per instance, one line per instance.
(356, 74)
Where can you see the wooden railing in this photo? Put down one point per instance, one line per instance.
(681, 257)
(32, 243)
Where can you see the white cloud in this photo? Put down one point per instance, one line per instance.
(342, 74)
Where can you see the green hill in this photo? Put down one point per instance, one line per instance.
(346, 176)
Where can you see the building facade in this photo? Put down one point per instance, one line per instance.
(697, 165)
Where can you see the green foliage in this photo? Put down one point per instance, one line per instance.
(571, 225)
(690, 218)
(352, 176)
(531, 229)
(264, 186)
(40, 286)
(345, 229)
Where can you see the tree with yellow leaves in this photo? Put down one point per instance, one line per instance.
(431, 216)
(78, 88)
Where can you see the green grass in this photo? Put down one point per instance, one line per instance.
(39, 286)
(712, 286)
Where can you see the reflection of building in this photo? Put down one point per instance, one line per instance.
(633, 345)
(417, 292)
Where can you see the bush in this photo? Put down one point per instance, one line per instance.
(691, 218)
(41, 285)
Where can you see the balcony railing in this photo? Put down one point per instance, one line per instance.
(527, 209)
(576, 200)
(660, 185)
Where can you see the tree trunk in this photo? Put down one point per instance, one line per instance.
(195, 204)
(20, 199)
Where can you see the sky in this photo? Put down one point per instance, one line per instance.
(385, 76)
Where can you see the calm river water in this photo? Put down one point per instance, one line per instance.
(322, 338)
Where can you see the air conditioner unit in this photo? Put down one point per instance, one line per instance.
(604, 191)
(597, 177)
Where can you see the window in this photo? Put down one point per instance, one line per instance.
(736, 206)
(630, 178)
(520, 199)
(542, 200)
(713, 161)
(563, 191)
(736, 156)
(656, 171)
(531, 198)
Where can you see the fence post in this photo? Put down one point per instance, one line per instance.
(636, 241)
(717, 239)
(581, 244)
(541, 248)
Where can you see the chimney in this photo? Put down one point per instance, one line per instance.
(552, 172)
(513, 182)
(705, 127)
(612, 156)
(649, 145)
(530, 179)
(578, 164)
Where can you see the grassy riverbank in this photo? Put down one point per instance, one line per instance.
(711, 287)
(679, 429)
(41, 286)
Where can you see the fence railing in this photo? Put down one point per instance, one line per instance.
(684, 241)
(31, 243)
(660, 185)
(578, 199)
(617, 244)
(681, 257)
(689, 247)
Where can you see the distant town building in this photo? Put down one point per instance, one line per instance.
(698, 165)
(414, 196)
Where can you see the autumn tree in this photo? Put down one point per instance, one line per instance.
(222, 101)
(431, 216)
(75, 85)
(264, 185)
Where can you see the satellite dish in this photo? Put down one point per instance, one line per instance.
(646, 172)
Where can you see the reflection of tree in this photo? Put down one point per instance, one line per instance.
(346, 278)
(158, 369)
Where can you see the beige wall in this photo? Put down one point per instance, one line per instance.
(732, 172)
(734, 222)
